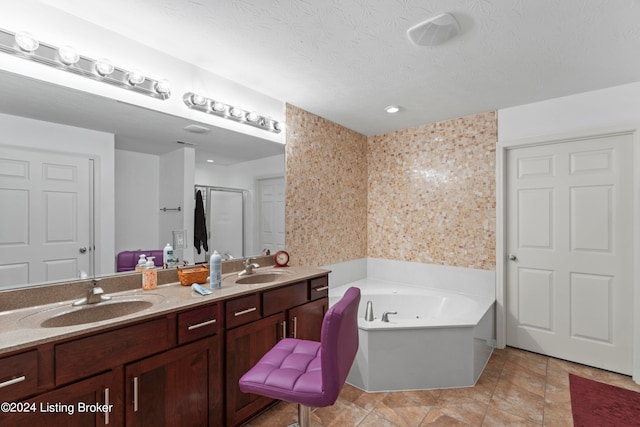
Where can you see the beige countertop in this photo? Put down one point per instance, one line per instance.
(20, 328)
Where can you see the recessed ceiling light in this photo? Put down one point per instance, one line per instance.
(209, 160)
(391, 109)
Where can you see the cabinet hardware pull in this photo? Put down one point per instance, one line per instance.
(284, 329)
(13, 381)
(135, 394)
(323, 288)
(248, 310)
(295, 327)
(106, 402)
(200, 325)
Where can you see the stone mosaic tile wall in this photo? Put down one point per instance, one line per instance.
(326, 190)
(431, 193)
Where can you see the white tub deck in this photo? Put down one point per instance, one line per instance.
(438, 339)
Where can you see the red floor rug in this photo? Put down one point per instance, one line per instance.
(596, 404)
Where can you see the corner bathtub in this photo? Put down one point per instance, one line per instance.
(438, 339)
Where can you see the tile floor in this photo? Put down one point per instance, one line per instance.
(517, 388)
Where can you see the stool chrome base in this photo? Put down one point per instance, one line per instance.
(304, 417)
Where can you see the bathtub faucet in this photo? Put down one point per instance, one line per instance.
(385, 315)
(368, 314)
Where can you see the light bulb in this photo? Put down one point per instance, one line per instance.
(253, 116)
(135, 77)
(27, 42)
(68, 55)
(218, 106)
(198, 100)
(236, 112)
(104, 67)
(163, 87)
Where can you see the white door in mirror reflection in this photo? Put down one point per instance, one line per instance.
(226, 222)
(45, 216)
(271, 201)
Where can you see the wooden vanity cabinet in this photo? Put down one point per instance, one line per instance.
(165, 371)
(245, 345)
(181, 368)
(18, 376)
(287, 311)
(305, 321)
(69, 406)
(180, 387)
(303, 309)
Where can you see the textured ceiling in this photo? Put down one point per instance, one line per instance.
(346, 60)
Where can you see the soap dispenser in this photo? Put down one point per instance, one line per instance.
(142, 261)
(215, 270)
(149, 275)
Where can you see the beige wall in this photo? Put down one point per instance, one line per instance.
(326, 191)
(432, 193)
(424, 194)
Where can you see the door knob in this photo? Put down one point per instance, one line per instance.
(83, 249)
(512, 257)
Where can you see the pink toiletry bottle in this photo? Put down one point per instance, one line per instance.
(149, 275)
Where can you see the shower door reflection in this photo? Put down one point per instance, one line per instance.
(225, 221)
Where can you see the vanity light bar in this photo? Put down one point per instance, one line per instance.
(220, 109)
(65, 58)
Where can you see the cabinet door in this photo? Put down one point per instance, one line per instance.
(181, 387)
(96, 401)
(18, 376)
(245, 346)
(305, 321)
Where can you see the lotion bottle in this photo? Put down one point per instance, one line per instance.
(167, 256)
(149, 275)
(215, 270)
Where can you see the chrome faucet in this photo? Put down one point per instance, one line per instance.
(95, 294)
(248, 267)
(385, 315)
(368, 314)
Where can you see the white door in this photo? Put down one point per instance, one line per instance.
(226, 226)
(45, 216)
(271, 201)
(569, 240)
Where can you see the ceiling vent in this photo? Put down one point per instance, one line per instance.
(196, 129)
(434, 31)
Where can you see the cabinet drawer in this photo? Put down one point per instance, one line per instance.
(319, 288)
(198, 323)
(243, 310)
(283, 298)
(18, 376)
(97, 353)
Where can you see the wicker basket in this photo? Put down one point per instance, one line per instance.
(193, 274)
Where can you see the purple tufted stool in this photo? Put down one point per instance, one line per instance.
(310, 373)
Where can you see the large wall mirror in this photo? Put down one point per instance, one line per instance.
(83, 178)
